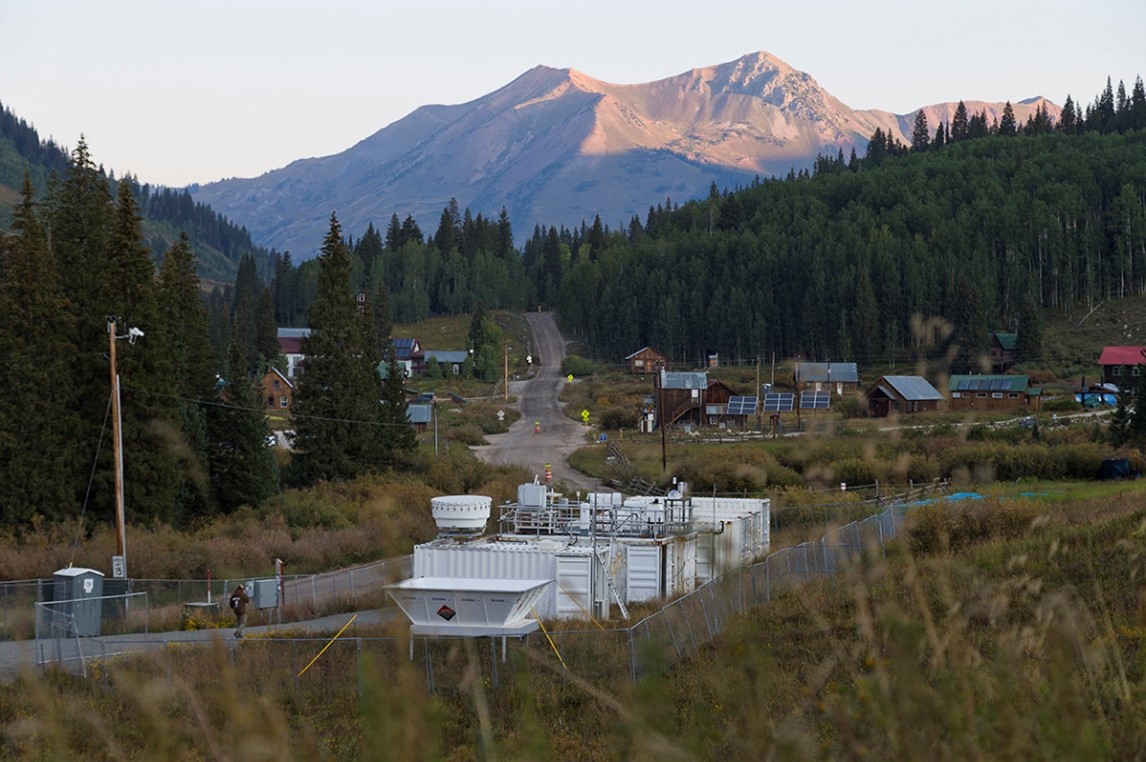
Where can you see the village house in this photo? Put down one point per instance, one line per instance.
(901, 394)
(647, 360)
(1003, 350)
(835, 377)
(278, 390)
(450, 361)
(983, 392)
(290, 342)
(1122, 366)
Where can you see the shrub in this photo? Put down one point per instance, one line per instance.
(578, 367)
(619, 417)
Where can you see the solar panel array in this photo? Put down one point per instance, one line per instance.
(742, 405)
(779, 402)
(815, 400)
(984, 385)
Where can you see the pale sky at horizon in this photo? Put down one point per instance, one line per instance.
(177, 92)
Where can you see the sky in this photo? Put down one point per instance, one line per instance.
(178, 92)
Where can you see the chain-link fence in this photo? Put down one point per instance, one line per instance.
(172, 601)
(677, 631)
(68, 631)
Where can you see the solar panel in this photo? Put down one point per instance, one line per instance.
(815, 400)
(742, 405)
(779, 402)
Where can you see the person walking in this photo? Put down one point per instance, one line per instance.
(239, 601)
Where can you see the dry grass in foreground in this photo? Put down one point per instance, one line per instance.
(993, 630)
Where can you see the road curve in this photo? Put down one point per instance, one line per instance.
(539, 406)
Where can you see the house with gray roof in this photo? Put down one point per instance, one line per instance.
(900, 395)
(835, 377)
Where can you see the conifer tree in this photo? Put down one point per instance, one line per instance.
(394, 234)
(400, 437)
(1068, 119)
(245, 312)
(959, 124)
(1007, 125)
(41, 462)
(151, 432)
(79, 218)
(183, 321)
(503, 240)
(243, 469)
(1029, 344)
(920, 133)
(337, 414)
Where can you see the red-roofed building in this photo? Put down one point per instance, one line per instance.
(1122, 366)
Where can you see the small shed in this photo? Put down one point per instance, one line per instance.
(647, 360)
(420, 416)
(901, 394)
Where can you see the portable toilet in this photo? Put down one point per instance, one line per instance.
(78, 593)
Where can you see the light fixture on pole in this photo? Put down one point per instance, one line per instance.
(119, 560)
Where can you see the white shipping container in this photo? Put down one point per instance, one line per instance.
(642, 573)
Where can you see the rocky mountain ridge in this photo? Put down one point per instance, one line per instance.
(558, 147)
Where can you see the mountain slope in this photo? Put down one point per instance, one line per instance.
(555, 146)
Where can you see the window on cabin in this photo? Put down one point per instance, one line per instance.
(284, 401)
(996, 395)
(981, 395)
(1013, 395)
(1116, 370)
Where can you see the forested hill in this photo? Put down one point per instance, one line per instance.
(218, 243)
(904, 253)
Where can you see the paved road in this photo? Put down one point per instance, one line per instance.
(21, 656)
(537, 399)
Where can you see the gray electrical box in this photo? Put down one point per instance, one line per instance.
(266, 593)
(77, 595)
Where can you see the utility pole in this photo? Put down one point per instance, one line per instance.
(506, 391)
(760, 399)
(660, 415)
(119, 560)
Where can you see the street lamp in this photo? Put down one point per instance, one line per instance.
(119, 560)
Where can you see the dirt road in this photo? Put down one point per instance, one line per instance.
(539, 406)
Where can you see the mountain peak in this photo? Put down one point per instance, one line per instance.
(557, 146)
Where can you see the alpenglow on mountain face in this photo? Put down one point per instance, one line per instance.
(557, 147)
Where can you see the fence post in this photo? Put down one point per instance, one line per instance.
(632, 655)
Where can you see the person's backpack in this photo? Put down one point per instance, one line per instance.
(235, 602)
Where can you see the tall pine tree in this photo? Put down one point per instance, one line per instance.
(243, 469)
(40, 461)
(337, 413)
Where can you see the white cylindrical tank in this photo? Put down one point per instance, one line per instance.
(460, 513)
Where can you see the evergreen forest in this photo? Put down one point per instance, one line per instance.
(973, 227)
